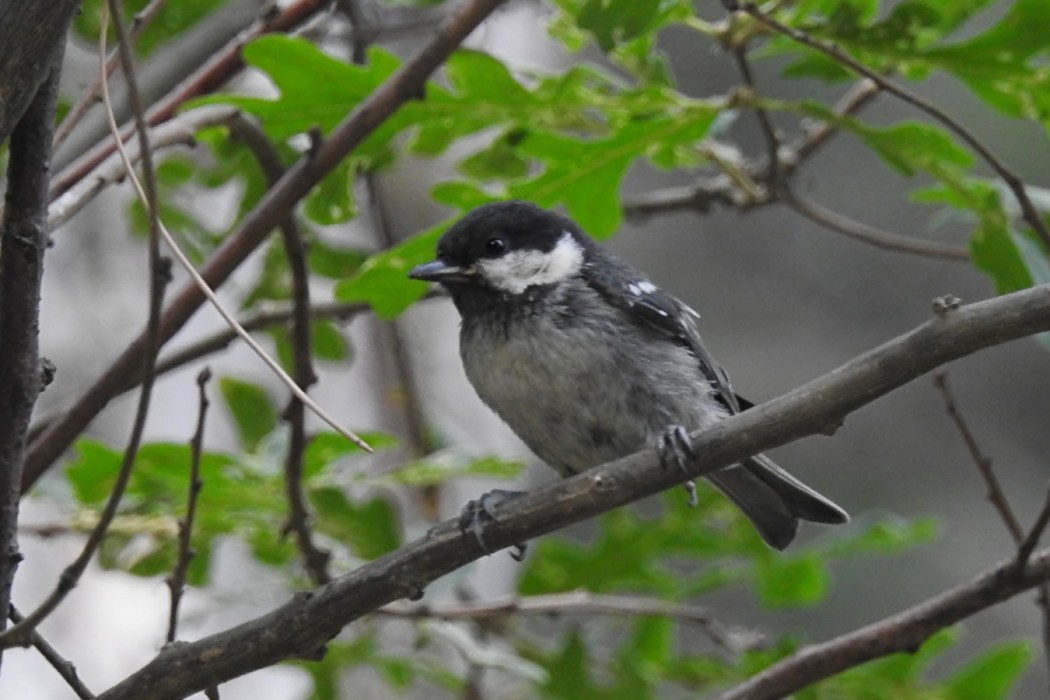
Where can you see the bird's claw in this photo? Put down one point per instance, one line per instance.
(476, 513)
(673, 446)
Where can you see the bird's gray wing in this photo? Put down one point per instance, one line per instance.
(628, 289)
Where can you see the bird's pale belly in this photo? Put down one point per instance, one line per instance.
(577, 403)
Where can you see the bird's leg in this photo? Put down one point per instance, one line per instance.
(476, 513)
(673, 446)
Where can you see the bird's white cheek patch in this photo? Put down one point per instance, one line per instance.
(520, 269)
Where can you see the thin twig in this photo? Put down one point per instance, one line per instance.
(1028, 544)
(61, 664)
(820, 133)
(997, 497)
(580, 602)
(177, 580)
(315, 559)
(769, 132)
(866, 233)
(1012, 180)
(143, 18)
(158, 278)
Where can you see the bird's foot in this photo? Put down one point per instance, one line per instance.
(477, 513)
(674, 448)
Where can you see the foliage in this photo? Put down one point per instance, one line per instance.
(567, 139)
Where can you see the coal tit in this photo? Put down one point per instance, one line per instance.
(587, 360)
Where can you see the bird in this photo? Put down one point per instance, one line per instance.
(587, 360)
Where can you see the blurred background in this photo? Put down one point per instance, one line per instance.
(782, 301)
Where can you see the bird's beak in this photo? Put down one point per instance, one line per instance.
(441, 271)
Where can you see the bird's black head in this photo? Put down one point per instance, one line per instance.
(506, 248)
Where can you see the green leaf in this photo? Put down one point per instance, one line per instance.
(891, 536)
(92, 471)
(791, 581)
(434, 471)
(331, 262)
(251, 408)
(910, 147)
(383, 279)
(332, 200)
(568, 669)
(991, 675)
(328, 447)
(995, 252)
(369, 528)
(275, 281)
(585, 174)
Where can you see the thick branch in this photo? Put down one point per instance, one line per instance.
(310, 619)
(406, 84)
(23, 240)
(29, 32)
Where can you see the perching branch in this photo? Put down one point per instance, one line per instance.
(405, 84)
(312, 618)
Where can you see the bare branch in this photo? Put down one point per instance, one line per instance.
(769, 132)
(310, 619)
(866, 233)
(1028, 544)
(23, 241)
(819, 134)
(996, 496)
(62, 665)
(315, 559)
(159, 275)
(405, 84)
(177, 581)
(579, 602)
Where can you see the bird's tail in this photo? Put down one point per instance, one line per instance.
(774, 500)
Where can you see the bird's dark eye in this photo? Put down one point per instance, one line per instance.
(495, 245)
